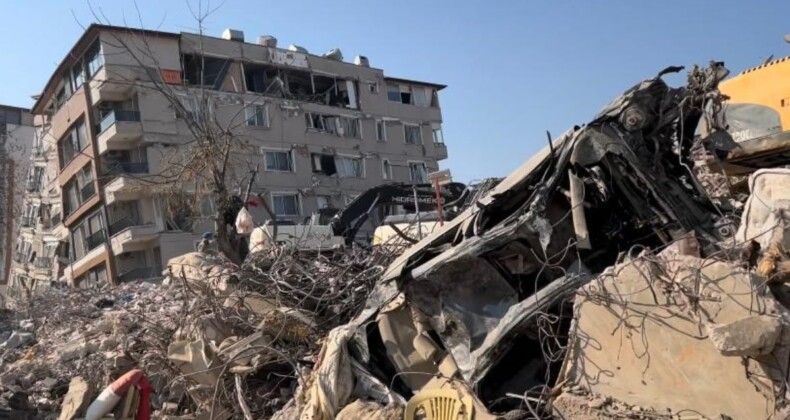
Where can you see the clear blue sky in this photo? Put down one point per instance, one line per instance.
(514, 68)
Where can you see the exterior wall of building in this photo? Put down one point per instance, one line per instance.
(132, 130)
(16, 143)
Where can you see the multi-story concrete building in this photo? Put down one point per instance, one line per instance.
(16, 141)
(319, 129)
(40, 234)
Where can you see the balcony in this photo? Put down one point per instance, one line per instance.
(112, 83)
(84, 263)
(27, 221)
(133, 237)
(440, 150)
(119, 130)
(130, 168)
(122, 189)
(42, 263)
(141, 273)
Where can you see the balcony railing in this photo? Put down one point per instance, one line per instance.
(95, 240)
(122, 224)
(55, 219)
(141, 273)
(28, 221)
(87, 191)
(117, 168)
(114, 116)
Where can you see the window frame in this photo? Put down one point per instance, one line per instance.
(382, 135)
(437, 129)
(288, 153)
(412, 163)
(419, 133)
(296, 194)
(254, 108)
(386, 170)
(350, 157)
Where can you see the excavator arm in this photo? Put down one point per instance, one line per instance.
(348, 220)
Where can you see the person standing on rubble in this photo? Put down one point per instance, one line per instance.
(205, 243)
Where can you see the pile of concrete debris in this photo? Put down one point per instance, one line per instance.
(599, 280)
(204, 339)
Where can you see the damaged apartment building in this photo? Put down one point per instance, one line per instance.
(321, 130)
(16, 139)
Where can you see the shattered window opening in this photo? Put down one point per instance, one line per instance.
(278, 161)
(340, 126)
(204, 71)
(286, 204)
(323, 163)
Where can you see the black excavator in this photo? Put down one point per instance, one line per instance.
(347, 221)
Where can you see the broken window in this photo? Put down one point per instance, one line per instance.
(386, 169)
(412, 95)
(278, 161)
(412, 133)
(341, 126)
(94, 278)
(257, 115)
(348, 167)
(204, 71)
(263, 79)
(418, 173)
(323, 163)
(285, 204)
(381, 130)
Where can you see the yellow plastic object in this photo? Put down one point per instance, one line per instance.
(439, 404)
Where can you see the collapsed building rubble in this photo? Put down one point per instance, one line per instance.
(599, 280)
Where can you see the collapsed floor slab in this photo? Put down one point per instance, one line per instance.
(640, 337)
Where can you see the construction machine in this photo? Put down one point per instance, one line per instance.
(757, 118)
